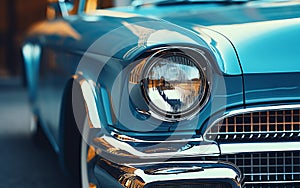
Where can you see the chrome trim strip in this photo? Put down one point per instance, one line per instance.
(271, 173)
(121, 148)
(249, 110)
(259, 109)
(256, 132)
(271, 182)
(118, 151)
(130, 139)
(88, 93)
(235, 148)
(209, 173)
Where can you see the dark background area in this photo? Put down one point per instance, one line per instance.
(16, 18)
(23, 162)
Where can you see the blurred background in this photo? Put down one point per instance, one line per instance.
(23, 163)
(16, 17)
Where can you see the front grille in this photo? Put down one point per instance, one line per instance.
(270, 169)
(264, 169)
(267, 126)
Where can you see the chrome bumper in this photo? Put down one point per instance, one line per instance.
(131, 163)
(127, 159)
(171, 174)
(121, 149)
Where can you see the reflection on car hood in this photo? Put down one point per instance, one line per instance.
(269, 55)
(268, 47)
(266, 37)
(260, 31)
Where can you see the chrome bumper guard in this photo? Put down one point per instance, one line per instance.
(171, 174)
(122, 149)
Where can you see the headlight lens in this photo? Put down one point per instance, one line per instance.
(174, 83)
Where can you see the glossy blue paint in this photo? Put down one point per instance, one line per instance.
(272, 87)
(31, 54)
(252, 50)
(207, 14)
(223, 50)
(259, 36)
(271, 72)
(106, 105)
(251, 27)
(220, 39)
(264, 50)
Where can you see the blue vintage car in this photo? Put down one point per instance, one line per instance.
(169, 93)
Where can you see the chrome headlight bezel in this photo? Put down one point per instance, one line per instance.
(195, 56)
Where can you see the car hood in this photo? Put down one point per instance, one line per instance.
(263, 33)
(269, 56)
(265, 36)
(267, 46)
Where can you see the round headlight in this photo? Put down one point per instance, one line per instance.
(174, 83)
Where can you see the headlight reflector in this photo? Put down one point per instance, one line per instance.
(174, 83)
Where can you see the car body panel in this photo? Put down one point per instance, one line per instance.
(65, 63)
(208, 14)
(271, 73)
(248, 66)
(246, 27)
(262, 50)
(74, 41)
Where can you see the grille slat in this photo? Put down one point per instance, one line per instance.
(270, 166)
(273, 125)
